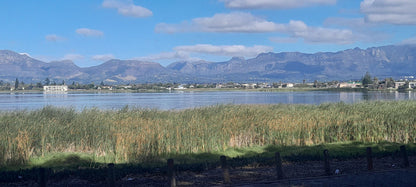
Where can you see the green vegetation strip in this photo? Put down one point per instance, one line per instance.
(65, 138)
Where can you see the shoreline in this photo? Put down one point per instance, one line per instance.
(209, 90)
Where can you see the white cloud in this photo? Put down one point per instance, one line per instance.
(299, 29)
(176, 55)
(54, 38)
(127, 8)
(186, 52)
(389, 11)
(274, 4)
(364, 31)
(235, 22)
(238, 22)
(409, 41)
(103, 57)
(27, 54)
(73, 57)
(89, 32)
(232, 22)
(225, 50)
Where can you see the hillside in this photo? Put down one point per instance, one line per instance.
(385, 61)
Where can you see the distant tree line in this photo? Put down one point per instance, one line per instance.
(20, 85)
(367, 81)
(375, 83)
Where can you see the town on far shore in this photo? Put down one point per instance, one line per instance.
(405, 83)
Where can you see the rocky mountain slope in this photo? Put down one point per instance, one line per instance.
(385, 61)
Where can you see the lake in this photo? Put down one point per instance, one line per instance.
(184, 100)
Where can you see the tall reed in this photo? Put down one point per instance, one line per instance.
(137, 135)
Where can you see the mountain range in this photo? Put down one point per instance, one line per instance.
(385, 61)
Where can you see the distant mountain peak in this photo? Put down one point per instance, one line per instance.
(384, 61)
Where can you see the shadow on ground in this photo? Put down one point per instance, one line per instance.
(60, 167)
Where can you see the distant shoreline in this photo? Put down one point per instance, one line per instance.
(209, 90)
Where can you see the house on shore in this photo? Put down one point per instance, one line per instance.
(410, 85)
(349, 85)
(55, 88)
(398, 84)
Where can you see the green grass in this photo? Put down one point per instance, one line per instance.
(92, 137)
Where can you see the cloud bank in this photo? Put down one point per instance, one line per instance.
(103, 57)
(401, 12)
(225, 50)
(185, 52)
(232, 22)
(127, 8)
(274, 4)
(238, 22)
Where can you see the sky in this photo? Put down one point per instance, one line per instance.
(90, 32)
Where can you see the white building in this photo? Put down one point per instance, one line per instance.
(60, 88)
(289, 85)
(181, 87)
(349, 85)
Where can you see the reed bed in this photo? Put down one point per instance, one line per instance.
(131, 135)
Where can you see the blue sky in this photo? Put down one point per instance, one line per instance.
(165, 31)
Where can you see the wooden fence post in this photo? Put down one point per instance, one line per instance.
(404, 155)
(279, 169)
(326, 164)
(171, 174)
(42, 177)
(224, 167)
(110, 175)
(369, 158)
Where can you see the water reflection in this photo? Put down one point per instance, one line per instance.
(183, 100)
(351, 97)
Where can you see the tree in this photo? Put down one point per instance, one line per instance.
(90, 86)
(16, 84)
(47, 81)
(39, 85)
(316, 84)
(30, 87)
(367, 79)
(389, 82)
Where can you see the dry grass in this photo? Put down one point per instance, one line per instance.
(137, 135)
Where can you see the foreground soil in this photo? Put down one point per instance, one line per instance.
(388, 171)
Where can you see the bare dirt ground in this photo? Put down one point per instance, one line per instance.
(387, 171)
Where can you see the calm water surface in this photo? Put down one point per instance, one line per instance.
(183, 100)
